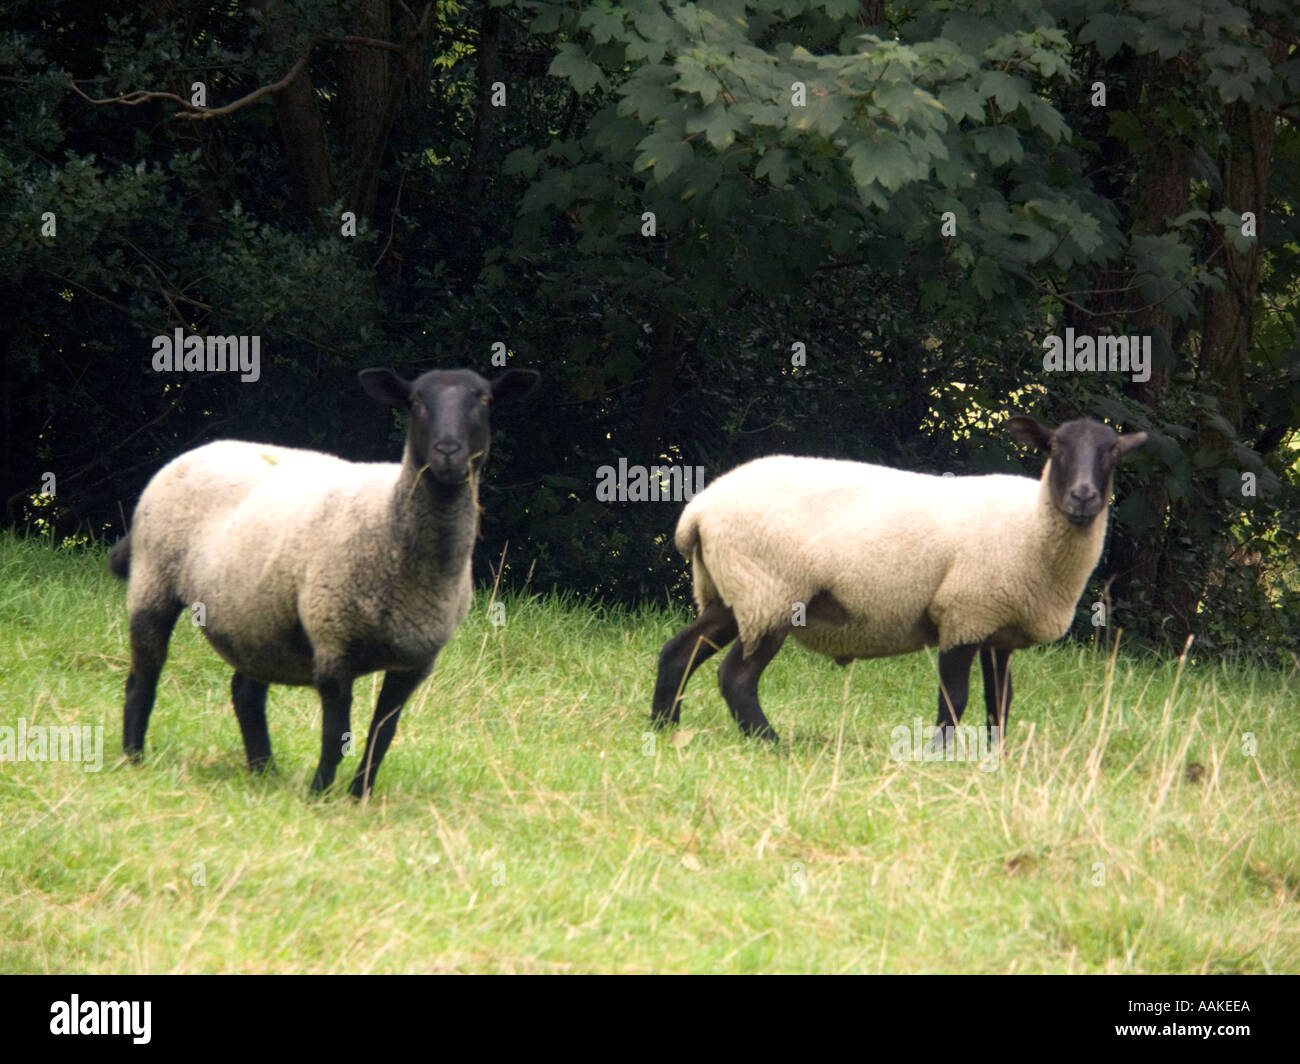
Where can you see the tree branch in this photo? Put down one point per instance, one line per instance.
(131, 99)
(368, 42)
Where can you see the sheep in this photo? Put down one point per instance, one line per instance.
(309, 569)
(863, 561)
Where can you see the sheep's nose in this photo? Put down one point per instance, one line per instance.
(1085, 495)
(446, 448)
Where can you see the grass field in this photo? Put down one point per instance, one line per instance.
(526, 820)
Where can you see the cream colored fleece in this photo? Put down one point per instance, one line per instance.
(915, 560)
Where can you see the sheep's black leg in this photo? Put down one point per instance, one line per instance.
(393, 694)
(738, 678)
(336, 709)
(150, 631)
(681, 656)
(249, 697)
(954, 686)
(995, 663)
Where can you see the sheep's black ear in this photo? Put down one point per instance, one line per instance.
(1128, 442)
(385, 386)
(514, 384)
(1030, 432)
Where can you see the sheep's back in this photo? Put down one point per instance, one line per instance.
(289, 508)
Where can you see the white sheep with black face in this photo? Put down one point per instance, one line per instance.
(876, 562)
(314, 570)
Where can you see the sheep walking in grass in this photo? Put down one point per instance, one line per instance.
(313, 570)
(862, 561)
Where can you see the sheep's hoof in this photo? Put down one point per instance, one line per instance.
(133, 756)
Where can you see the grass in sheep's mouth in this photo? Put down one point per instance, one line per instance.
(527, 819)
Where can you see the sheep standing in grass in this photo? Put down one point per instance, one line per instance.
(862, 561)
(313, 570)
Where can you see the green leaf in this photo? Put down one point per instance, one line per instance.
(905, 103)
(1125, 126)
(1164, 40)
(719, 123)
(962, 102)
(1232, 86)
(1047, 118)
(647, 94)
(1187, 217)
(873, 196)
(639, 48)
(1110, 33)
(603, 25)
(666, 151)
(766, 114)
(1000, 143)
(957, 170)
(547, 19)
(987, 277)
(828, 111)
(694, 77)
(571, 62)
(1008, 90)
(522, 161)
(553, 190)
(616, 135)
(885, 161)
(775, 165)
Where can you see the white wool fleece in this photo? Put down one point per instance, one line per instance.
(915, 560)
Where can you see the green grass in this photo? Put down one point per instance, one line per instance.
(525, 821)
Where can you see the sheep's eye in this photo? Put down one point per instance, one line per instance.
(483, 399)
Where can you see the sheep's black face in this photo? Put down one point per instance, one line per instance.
(449, 430)
(1083, 458)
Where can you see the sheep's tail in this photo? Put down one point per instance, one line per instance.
(119, 558)
(687, 537)
(687, 540)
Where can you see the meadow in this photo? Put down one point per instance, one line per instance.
(1144, 815)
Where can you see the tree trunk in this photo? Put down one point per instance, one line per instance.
(871, 14)
(1162, 192)
(302, 129)
(1244, 168)
(489, 47)
(367, 82)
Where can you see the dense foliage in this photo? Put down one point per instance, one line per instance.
(656, 203)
